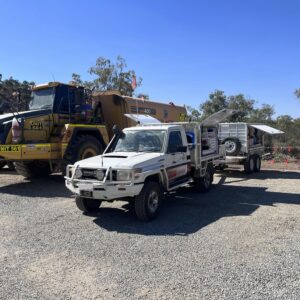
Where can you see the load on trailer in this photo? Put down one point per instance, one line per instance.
(63, 126)
(245, 144)
(142, 163)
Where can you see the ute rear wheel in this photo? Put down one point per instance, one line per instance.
(204, 183)
(148, 202)
(87, 205)
(33, 169)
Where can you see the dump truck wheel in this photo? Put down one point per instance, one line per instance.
(232, 146)
(11, 166)
(148, 203)
(35, 169)
(257, 163)
(87, 205)
(249, 165)
(2, 164)
(83, 147)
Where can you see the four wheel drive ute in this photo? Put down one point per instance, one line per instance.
(143, 163)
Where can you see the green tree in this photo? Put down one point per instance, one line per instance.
(243, 106)
(109, 76)
(215, 102)
(14, 95)
(263, 114)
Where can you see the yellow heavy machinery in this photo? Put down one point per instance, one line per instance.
(63, 126)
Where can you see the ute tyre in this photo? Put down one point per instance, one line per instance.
(203, 184)
(87, 205)
(34, 169)
(148, 203)
(232, 146)
(249, 165)
(257, 164)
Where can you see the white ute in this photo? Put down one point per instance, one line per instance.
(143, 163)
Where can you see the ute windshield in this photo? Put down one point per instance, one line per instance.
(141, 141)
(42, 99)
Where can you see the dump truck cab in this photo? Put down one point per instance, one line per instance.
(58, 128)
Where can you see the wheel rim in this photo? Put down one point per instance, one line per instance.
(230, 146)
(153, 200)
(251, 164)
(88, 152)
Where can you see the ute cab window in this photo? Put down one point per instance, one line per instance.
(175, 142)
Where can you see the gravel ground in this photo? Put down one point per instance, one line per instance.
(240, 240)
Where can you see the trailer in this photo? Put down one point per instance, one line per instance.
(245, 144)
(144, 162)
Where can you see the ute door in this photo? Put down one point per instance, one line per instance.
(176, 159)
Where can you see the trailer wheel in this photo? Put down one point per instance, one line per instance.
(87, 205)
(148, 202)
(33, 169)
(257, 163)
(232, 146)
(249, 165)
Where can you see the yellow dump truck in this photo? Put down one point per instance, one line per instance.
(62, 126)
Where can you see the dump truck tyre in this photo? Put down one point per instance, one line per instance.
(257, 163)
(85, 146)
(148, 203)
(232, 146)
(87, 205)
(11, 166)
(31, 170)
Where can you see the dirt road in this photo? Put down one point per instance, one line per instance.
(240, 240)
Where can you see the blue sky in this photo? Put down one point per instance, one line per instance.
(183, 49)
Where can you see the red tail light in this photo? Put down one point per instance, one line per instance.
(16, 131)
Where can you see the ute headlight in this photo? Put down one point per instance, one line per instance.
(123, 175)
(99, 174)
(78, 173)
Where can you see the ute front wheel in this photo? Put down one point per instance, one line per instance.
(87, 205)
(148, 202)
